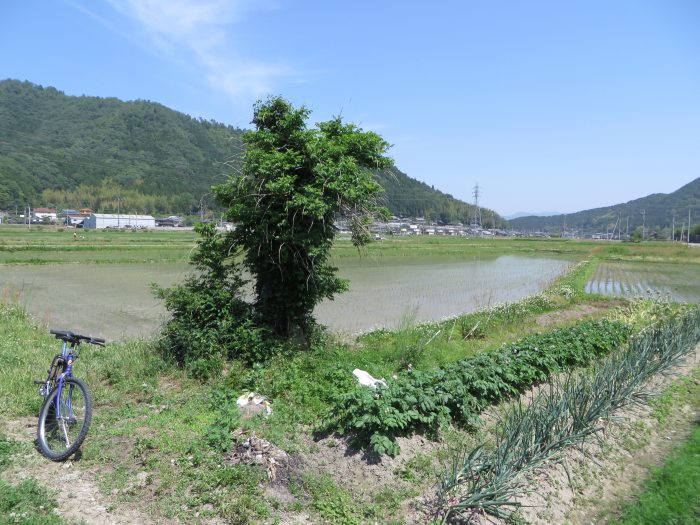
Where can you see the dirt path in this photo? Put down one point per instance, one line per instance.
(78, 495)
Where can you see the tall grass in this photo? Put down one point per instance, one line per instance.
(26, 350)
(148, 417)
(25, 353)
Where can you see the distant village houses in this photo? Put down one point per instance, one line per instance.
(420, 226)
(45, 214)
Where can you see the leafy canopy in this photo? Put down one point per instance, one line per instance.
(295, 181)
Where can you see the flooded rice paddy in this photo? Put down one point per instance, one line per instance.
(383, 293)
(673, 281)
(115, 301)
(108, 300)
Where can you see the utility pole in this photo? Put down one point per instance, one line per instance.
(564, 231)
(673, 227)
(644, 219)
(627, 229)
(119, 217)
(682, 230)
(615, 227)
(688, 225)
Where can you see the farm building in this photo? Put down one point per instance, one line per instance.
(113, 220)
(74, 219)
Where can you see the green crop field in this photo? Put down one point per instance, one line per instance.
(48, 245)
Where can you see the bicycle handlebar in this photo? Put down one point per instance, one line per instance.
(76, 339)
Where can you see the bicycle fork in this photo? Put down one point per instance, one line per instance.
(64, 412)
(63, 420)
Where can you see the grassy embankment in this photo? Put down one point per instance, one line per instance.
(150, 417)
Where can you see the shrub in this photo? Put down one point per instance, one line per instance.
(210, 320)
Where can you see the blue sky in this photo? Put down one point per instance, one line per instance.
(548, 105)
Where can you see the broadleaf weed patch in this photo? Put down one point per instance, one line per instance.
(457, 393)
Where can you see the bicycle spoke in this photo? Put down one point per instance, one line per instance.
(65, 432)
(64, 420)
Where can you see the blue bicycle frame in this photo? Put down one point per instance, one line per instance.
(68, 358)
(67, 354)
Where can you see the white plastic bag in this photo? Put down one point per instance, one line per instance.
(366, 379)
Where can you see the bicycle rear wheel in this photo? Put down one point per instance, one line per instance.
(64, 420)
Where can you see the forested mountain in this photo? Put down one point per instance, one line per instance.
(65, 151)
(656, 211)
(50, 141)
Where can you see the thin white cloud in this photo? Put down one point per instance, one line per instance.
(204, 30)
(75, 4)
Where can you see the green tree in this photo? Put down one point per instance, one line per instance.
(695, 233)
(4, 197)
(295, 182)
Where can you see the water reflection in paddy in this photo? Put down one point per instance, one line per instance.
(382, 292)
(115, 301)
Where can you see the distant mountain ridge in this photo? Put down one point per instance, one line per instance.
(655, 212)
(519, 214)
(57, 149)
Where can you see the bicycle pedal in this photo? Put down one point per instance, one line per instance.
(38, 382)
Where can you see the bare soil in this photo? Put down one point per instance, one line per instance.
(590, 486)
(365, 473)
(76, 489)
(577, 311)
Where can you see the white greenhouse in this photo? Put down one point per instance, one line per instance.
(113, 220)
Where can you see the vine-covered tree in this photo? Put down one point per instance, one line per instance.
(294, 183)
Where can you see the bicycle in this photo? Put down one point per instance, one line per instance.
(64, 418)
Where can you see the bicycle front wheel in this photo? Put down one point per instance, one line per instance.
(64, 419)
